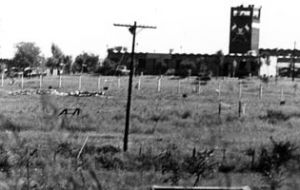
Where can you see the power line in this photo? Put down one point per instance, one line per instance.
(132, 29)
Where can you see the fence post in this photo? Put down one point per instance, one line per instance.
(240, 90)
(139, 83)
(240, 108)
(41, 84)
(60, 81)
(99, 83)
(2, 79)
(220, 108)
(260, 91)
(199, 87)
(22, 82)
(219, 91)
(158, 84)
(119, 82)
(178, 86)
(79, 83)
(281, 95)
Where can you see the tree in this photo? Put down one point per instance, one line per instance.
(67, 64)
(27, 55)
(85, 63)
(109, 67)
(220, 62)
(57, 57)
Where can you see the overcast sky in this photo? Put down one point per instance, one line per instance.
(187, 26)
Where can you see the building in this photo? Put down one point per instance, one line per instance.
(189, 64)
(244, 29)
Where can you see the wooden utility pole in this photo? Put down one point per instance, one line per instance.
(132, 29)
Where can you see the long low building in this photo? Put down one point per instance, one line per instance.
(270, 62)
(216, 65)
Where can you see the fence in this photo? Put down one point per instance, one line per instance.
(223, 91)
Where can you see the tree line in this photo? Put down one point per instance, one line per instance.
(28, 54)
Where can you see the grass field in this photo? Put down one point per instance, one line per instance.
(41, 150)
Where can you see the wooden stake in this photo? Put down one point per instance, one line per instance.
(281, 95)
(220, 108)
(2, 79)
(219, 92)
(240, 90)
(60, 81)
(240, 108)
(119, 82)
(199, 87)
(178, 87)
(158, 84)
(79, 83)
(41, 84)
(139, 83)
(22, 82)
(260, 91)
(99, 84)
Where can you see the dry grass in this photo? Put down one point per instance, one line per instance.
(158, 120)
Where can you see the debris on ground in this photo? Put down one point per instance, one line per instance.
(55, 92)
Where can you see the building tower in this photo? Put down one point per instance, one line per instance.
(244, 29)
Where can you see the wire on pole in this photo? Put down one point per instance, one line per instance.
(132, 29)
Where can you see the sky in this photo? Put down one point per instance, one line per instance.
(186, 26)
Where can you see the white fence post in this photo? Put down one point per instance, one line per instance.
(178, 86)
(22, 82)
(260, 91)
(139, 83)
(119, 82)
(99, 83)
(60, 81)
(41, 83)
(240, 90)
(158, 84)
(199, 87)
(2, 79)
(79, 83)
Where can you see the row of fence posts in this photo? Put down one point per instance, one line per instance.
(241, 105)
(158, 88)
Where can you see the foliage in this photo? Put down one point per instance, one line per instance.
(109, 67)
(85, 63)
(27, 55)
(59, 60)
(200, 164)
(271, 162)
(185, 68)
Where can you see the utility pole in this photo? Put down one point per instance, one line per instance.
(293, 62)
(132, 29)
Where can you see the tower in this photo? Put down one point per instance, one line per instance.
(244, 29)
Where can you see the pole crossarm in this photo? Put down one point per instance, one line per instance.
(137, 26)
(132, 29)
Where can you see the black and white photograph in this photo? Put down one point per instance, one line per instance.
(149, 95)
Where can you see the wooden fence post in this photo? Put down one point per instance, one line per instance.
(159, 84)
(41, 83)
(2, 79)
(139, 83)
(220, 108)
(99, 83)
(219, 91)
(79, 83)
(178, 86)
(60, 81)
(22, 82)
(240, 108)
(240, 90)
(119, 82)
(260, 91)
